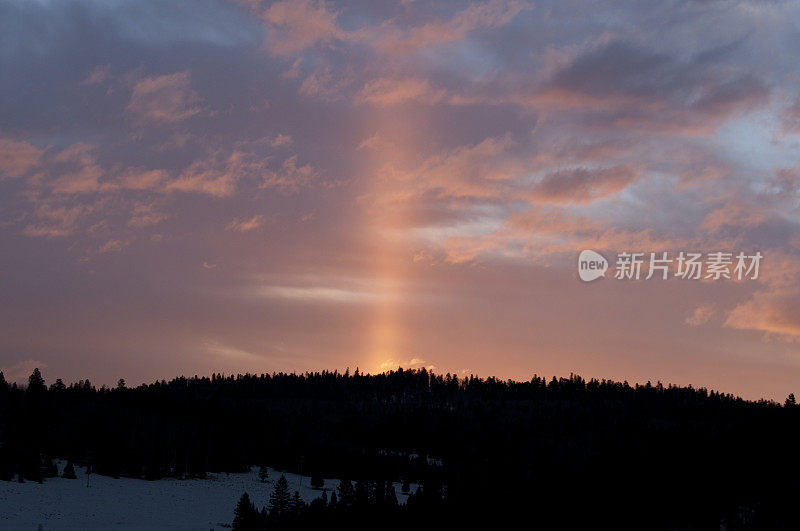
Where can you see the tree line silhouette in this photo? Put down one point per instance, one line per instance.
(356, 505)
(562, 452)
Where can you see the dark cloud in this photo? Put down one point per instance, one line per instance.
(623, 84)
(582, 185)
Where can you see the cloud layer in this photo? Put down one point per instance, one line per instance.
(253, 185)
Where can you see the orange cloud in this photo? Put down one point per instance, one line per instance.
(701, 315)
(776, 313)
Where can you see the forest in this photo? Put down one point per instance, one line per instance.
(560, 452)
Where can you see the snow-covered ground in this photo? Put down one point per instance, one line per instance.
(108, 503)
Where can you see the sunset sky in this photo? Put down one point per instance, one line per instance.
(209, 186)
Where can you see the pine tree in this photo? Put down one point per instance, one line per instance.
(406, 488)
(296, 504)
(246, 516)
(279, 499)
(317, 482)
(346, 493)
(263, 473)
(3, 382)
(334, 499)
(69, 471)
(790, 401)
(36, 382)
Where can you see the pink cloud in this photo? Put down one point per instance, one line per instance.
(167, 99)
(391, 91)
(55, 221)
(135, 179)
(81, 172)
(478, 171)
(542, 234)
(735, 214)
(145, 214)
(246, 224)
(326, 83)
(290, 178)
(280, 140)
(17, 157)
(215, 176)
(112, 246)
(556, 221)
(294, 25)
(97, 75)
(394, 40)
(20, 371)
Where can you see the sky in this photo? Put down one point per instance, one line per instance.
(245, 186)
